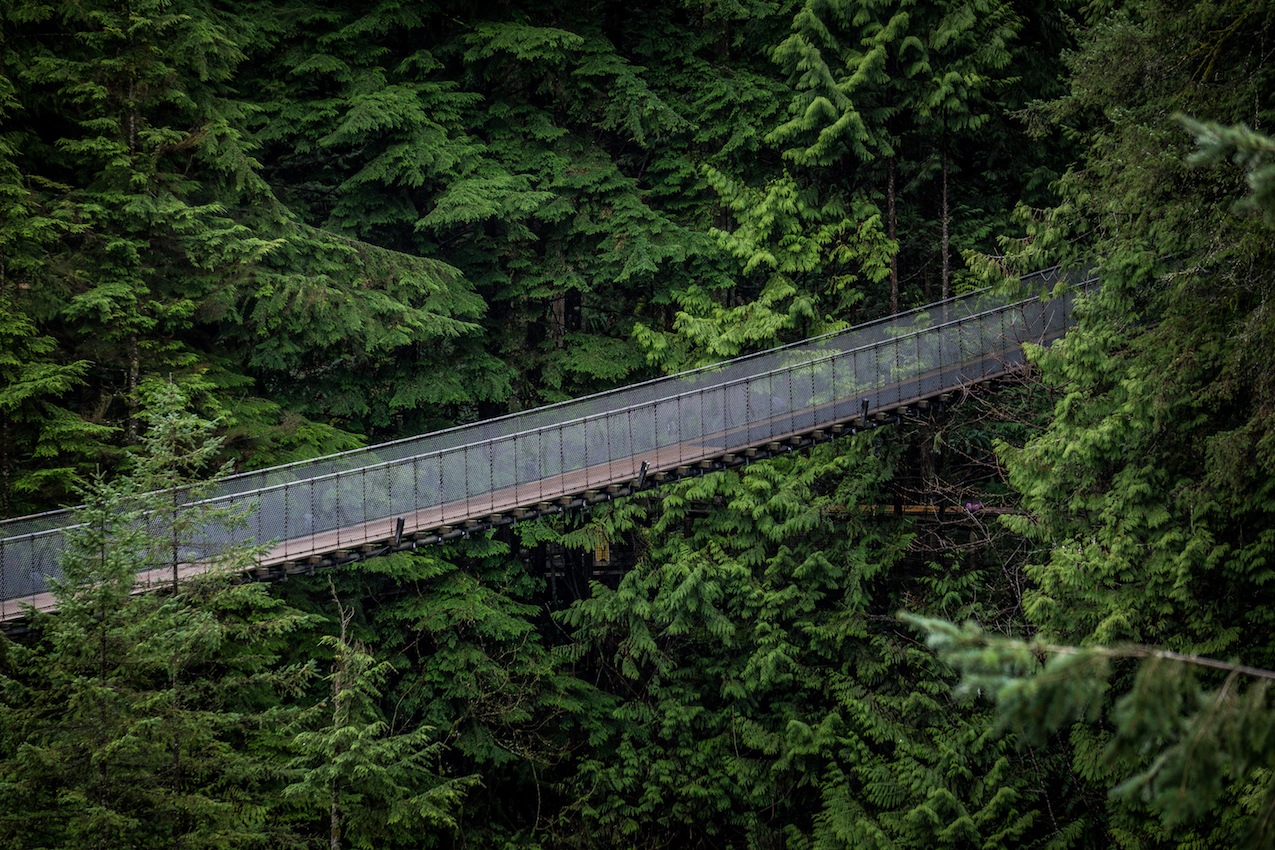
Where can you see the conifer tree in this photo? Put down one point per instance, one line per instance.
(762, 694)
(375, 786)
(128, 111)
(125, 162)
(881, 93)
(33, 418)
(34, 380)
(570, 109)
(141, 718)
(1160, 378)
(464, 630)
(1148, 493)
(1189, 735)
(145, 242)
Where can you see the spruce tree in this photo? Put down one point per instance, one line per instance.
(764, 695)
(1149, 492)
(142, 717)
(1188, 735)
(372, 785)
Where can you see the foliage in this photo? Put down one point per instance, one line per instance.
(375, 786)
(30, 415)
(764, 697)
(1152, 464)
(463, 664)
(1148, 491)
(144, 718)
(334, 223)
(884, 95)
(1183, 732)
(1249, 150)
(343, 223)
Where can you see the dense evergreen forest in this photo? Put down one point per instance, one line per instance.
(237, 234)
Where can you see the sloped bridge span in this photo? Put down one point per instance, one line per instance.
(440, 486)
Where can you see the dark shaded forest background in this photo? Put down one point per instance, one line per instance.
(234, 235)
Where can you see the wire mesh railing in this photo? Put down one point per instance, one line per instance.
(451, 477)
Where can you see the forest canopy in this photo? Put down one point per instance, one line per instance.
(234, 235)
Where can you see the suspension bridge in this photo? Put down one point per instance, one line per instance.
(424, 490)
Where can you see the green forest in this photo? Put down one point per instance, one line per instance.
(239, 234)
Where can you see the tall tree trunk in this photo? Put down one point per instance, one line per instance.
(183, 827)
(558, 314)
(947, 263)
(6, 457)
(334, 810)
(134, 359)
(6, 460)
(339, 667)
(334, 840)
(134, 368)
(176, 538)
(892, 229)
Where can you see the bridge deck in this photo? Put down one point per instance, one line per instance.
(408, 493)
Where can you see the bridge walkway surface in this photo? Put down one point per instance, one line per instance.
(436, 487)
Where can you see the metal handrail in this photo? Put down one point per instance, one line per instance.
(531, 441)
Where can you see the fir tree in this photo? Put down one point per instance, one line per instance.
(1188, 736)
(762, 694)
(1149, 492)
(376, 786)
(141, 718)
